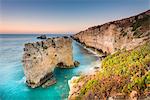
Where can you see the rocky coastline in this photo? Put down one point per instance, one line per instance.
(110, 37)
(77, 85)
(124, 73)
(99, 53)
(41, 58)
(121, 37)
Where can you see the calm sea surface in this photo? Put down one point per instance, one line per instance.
(12, 80)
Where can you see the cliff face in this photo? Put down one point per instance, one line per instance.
(121, 34)
(40, 59)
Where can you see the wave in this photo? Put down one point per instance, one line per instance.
(23, 80)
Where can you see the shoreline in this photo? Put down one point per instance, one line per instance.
(88, 49)
(96, 65)
(92, 70)
(71, 85)
(75, 85)
(93, 50)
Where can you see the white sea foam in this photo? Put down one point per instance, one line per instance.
(93, 67)
(23, 80)
(26, 89)
(95, 53)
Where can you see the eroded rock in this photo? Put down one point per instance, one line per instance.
(40, 59)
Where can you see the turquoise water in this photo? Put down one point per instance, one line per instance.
(12, 80)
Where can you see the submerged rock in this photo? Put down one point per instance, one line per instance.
(40, 59)
(49, 83)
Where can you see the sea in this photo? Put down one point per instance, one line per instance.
(12, 78)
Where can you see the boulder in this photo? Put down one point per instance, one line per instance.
(76, 63)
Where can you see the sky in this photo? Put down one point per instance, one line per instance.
(64, 16)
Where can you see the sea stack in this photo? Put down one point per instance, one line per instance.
(40, 59)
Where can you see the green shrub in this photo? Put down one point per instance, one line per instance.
(141, 22)
(121, 72)
(88, 86)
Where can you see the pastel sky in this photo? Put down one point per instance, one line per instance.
(62, 16)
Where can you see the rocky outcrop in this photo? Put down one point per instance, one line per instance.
(42, 37)
(40, 59)
(127, 34)
(73, 88)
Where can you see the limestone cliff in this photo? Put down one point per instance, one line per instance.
(127, 34)
(40, 59)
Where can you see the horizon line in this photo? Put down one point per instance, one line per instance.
(37, 33)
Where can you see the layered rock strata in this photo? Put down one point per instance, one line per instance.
(40, 59)
(127, 34)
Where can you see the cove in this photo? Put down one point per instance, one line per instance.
(12, 85)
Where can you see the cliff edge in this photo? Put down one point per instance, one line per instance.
(126, 34)
(125, 73)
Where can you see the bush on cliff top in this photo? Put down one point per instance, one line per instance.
(141, 22)
(121, 72)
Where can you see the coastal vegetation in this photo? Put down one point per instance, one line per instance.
(140, 25)
(141, 22)
(121, 72)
